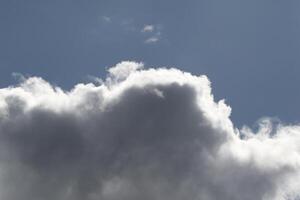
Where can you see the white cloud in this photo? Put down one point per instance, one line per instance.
(148, 28)
(122, 70)
(140, 134)
(151, 40)
(153, 33)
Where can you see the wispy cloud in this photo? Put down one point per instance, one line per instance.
(152, 40)
(148, 28)
(106, 19)
(148, 33)
(128, 25)
(152, 32)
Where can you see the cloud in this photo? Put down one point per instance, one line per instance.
(154, 31)
(140, 134)
(122, 70)
(148, 28)
(151, 40)
(106, 19)
(149, 34)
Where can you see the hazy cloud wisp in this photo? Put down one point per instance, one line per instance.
(148, 28)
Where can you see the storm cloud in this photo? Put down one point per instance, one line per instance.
(150, 134)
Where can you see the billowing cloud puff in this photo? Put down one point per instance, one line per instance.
(150, 134)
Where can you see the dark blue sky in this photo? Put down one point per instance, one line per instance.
(248, 49)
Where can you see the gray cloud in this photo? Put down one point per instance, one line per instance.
(141, 134)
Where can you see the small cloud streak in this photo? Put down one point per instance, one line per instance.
(150, 33)
(152, 40)
(106, 19)
(148, 28)
(153, 33)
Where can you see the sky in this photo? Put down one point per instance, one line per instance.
(248, 49)
(149, 99)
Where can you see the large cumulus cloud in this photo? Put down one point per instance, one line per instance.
(154, 134)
